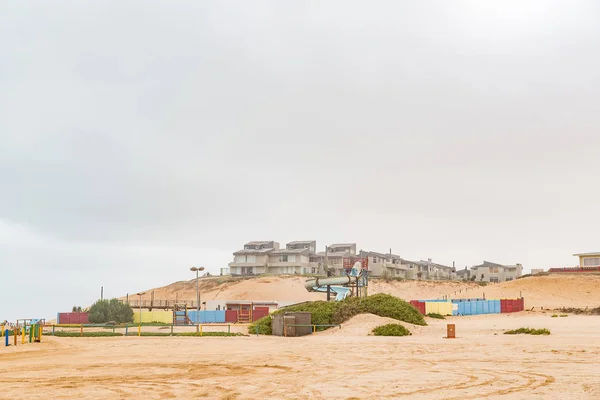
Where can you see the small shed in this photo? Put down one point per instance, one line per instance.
(292, 324)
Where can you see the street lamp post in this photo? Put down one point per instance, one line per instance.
(197, 270)
(141, 294)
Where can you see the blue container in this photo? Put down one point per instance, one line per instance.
(479, 307)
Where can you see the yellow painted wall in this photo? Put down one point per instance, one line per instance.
(154, 316)
(438, 308)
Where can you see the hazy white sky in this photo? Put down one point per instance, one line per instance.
(138, 138)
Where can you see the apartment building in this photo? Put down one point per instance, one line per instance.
(336, 253)
(428, 270)
(492, 272)
(381, 264)
(294, 259)
(265, 257)
(588, 259)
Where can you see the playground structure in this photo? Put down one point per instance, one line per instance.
(354, 283)
(32, 328)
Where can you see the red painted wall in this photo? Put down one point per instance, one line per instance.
(73, 318)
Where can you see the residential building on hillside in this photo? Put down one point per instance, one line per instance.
(588, 259)
(381, 264)
(492, 272)
(335, 257)
(428, 270)
(267, 258)
(463, 274)
(535, 271)
(253, 259)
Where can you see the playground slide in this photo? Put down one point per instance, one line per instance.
(335, 282)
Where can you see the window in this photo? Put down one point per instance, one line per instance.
(374, 260)
(283, 258)
(313, 270)
(494, 279)
(591, 262)
(240, 259)
(250, 259)
(493, 270)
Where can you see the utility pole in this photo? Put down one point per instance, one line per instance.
(101, 292)
(328, 274)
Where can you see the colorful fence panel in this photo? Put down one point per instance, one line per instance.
(443, 308)
(419, 305)
(207, 317)
(72, 318)
(165, 317)
(231, 316)
(512, 305)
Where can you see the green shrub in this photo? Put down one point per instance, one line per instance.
(328, 313)
(436, 316)
(391, 330)
(554, 315)
(86, 334)
(184, 334)
(104, 311)
(563, 315)
(528, 331)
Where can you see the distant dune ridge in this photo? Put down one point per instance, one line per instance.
(553, 291)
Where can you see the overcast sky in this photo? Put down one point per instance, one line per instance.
(139, 138)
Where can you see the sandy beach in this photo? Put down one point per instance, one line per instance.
(343, 363)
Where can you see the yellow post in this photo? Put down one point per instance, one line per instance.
(198, 327)
(200, 330)
(81, 330)
(41, 331)
(139, 330)
(23, 335)
(314, 328)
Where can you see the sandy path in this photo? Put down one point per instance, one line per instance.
(481, 363)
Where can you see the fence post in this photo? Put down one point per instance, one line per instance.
(53, 327)
(139, 330)
(23, 335)
(81, 330)
(200, 329)
(126, 329)
(171, 329)
(15, 333)
(6, 336)
(228, 328)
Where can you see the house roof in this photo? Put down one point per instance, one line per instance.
(342, 245)
(335, 254)
(302, 242)
(253, 251)
(290, 251)
(259, 242)
(587, 254)
(491, 264)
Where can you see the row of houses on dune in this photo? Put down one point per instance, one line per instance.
(302, 257)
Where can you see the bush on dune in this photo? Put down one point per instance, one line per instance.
(528, 331)
(328, 313)
(391, 330)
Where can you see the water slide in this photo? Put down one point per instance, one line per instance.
(337, 283)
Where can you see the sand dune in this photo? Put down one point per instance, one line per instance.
(546, 291)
